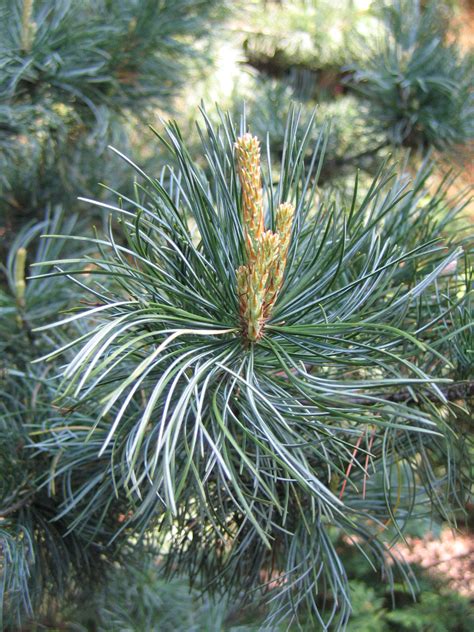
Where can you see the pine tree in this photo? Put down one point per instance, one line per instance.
(244, 371)
(259, 372)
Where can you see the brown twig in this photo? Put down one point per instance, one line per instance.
(17, 505)
(349, 467)
(452, 392)
(458, 390)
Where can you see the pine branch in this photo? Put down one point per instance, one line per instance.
(19, 504)
(416, 85)
(452, 392)
(229, 446)
(458, 391)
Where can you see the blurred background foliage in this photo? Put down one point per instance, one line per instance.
(393, 78)
(78, 76)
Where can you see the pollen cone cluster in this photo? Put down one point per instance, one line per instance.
(260, 279)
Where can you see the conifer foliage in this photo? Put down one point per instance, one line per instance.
(243, 371)
(248, 451)
(71, 75)
(417, 84)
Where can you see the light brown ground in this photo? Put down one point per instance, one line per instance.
(450, 557)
